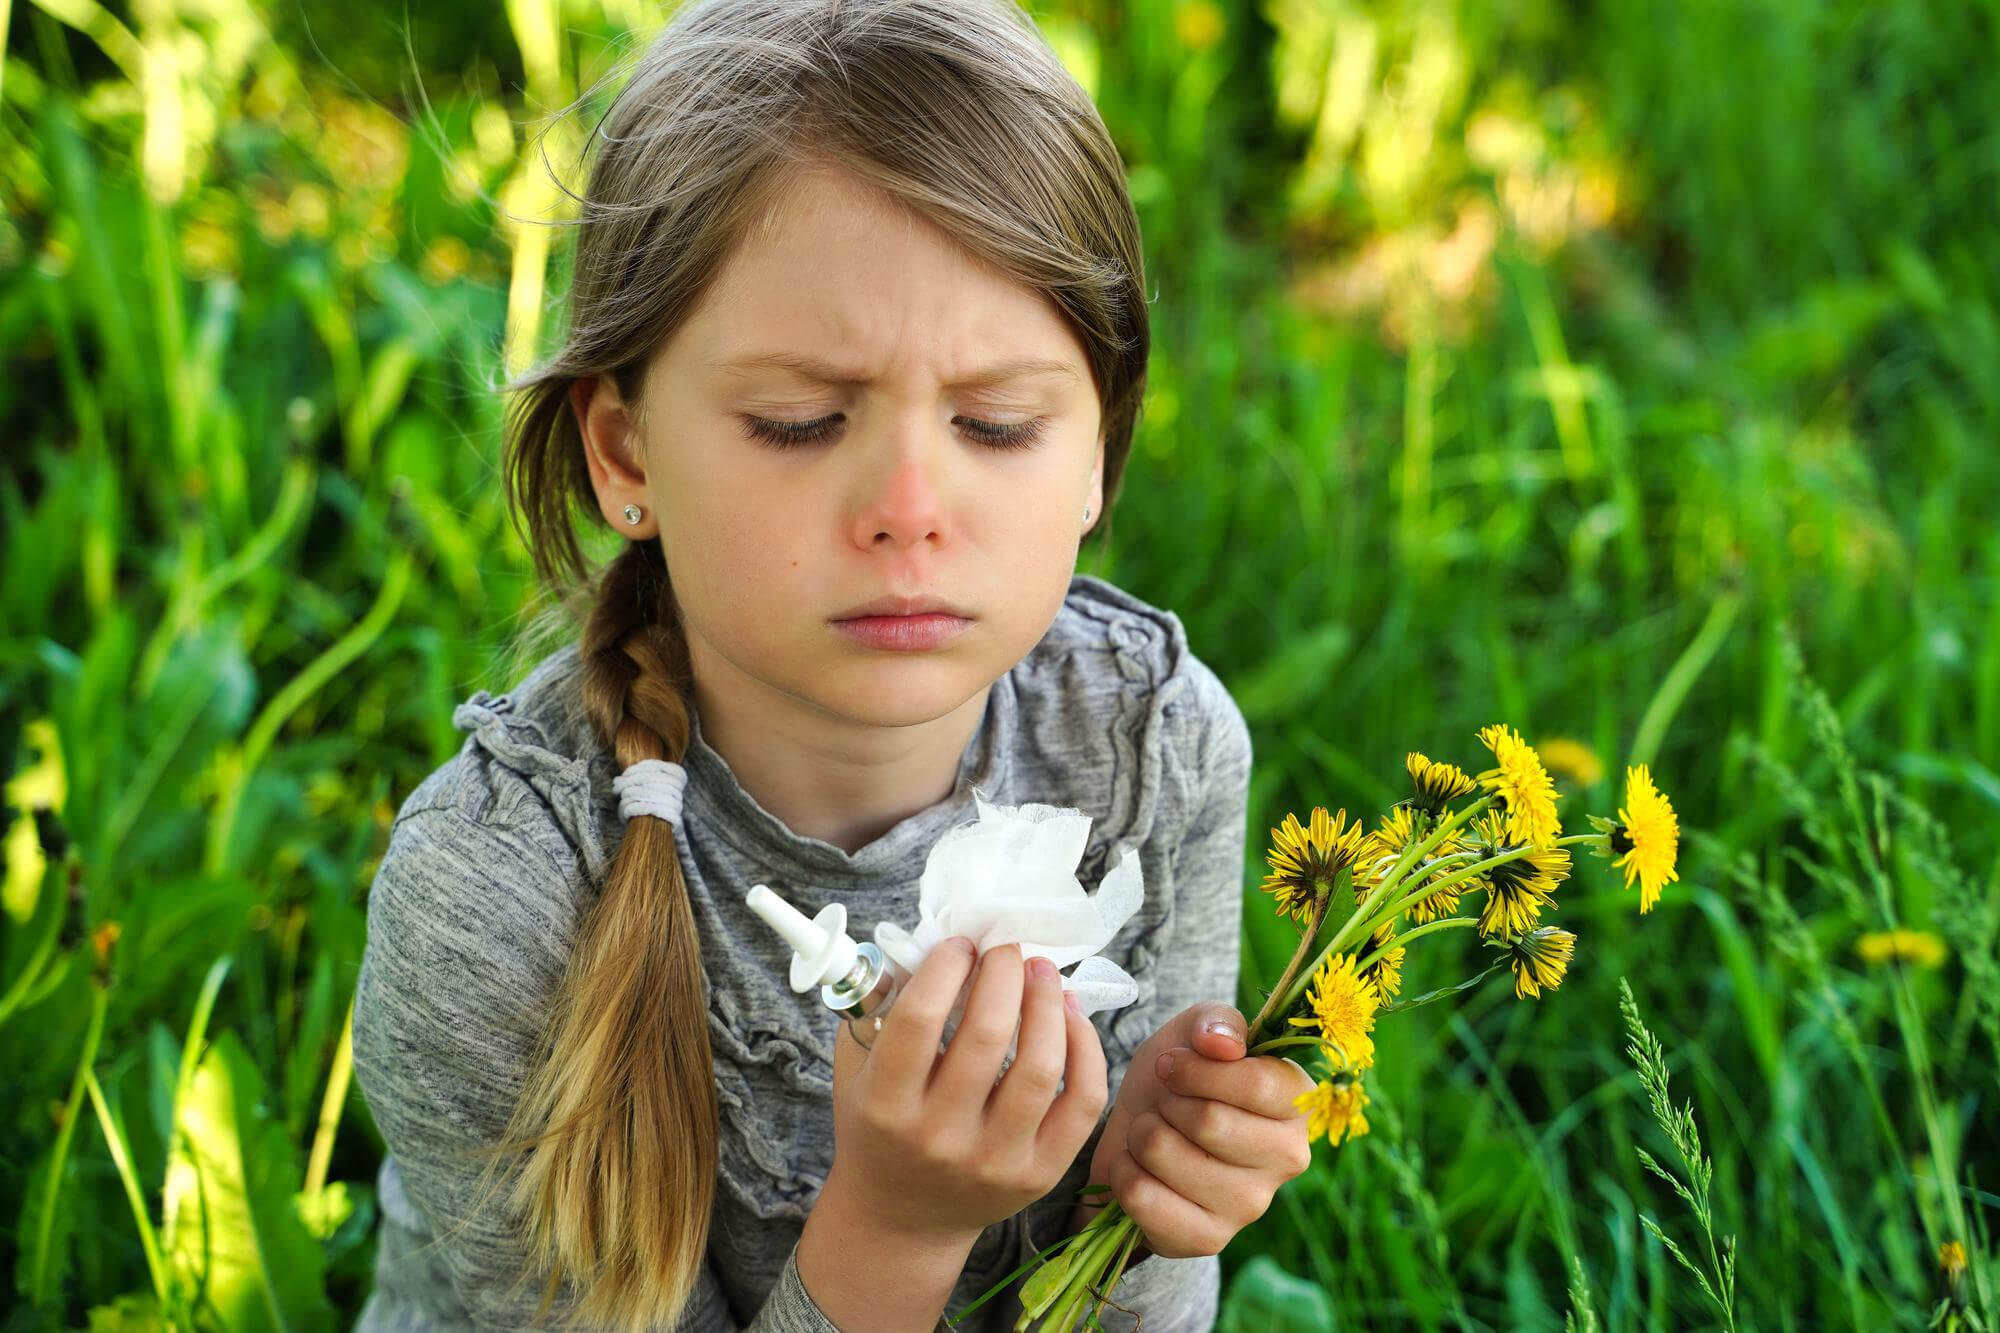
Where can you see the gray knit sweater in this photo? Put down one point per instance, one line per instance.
(495, 856)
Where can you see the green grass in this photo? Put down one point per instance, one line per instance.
(1628, 378)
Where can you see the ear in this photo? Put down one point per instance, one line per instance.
(612, 452)
(1096, 499)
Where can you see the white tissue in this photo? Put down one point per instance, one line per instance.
(1010, 878)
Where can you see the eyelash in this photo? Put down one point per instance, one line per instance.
(796, 434)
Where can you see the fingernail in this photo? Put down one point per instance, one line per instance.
(1164, 1066)
(1075, 1005)
(1222, 1027)
(1041, 968)
(964, 945)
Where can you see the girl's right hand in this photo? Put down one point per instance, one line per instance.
(925, 1141)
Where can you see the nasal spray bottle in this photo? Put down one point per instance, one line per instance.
(856, 980)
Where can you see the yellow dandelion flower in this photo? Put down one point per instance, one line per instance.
(1436, 784)
(1379, 854)
(1305, 860)
(1343, 1009)
(1646, 837)
(1572, 757)
(1540, 958)
(1516, 891)
(1526, 791)
(1951, 1258)
(1916, 946)
(1385, 974)
(1333, 1109)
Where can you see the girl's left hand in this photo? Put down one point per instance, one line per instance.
(1194, 1155)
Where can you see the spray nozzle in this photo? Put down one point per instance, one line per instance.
(822, 953)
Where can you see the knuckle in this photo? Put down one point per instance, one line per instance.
(1211, 1119)
(1038, 1076)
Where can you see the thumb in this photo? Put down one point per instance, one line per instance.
(1216, 1030)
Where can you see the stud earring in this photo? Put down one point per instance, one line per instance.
(632, 513)
(1086, 513)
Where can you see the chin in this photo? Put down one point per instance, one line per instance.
(903, 690)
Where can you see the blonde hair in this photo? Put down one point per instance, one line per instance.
(957, 110)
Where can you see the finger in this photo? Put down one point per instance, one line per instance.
(1216, 1030)
(1175, 1227)
(1227, 1193)
(848, 1055)
(906, 1048)
(1264, 1084)
(967, 1070)
(1024, 1092)
(1230, 1134)
(1086, 1089)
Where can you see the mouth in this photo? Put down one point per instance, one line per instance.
(898, 608)
(916, 633)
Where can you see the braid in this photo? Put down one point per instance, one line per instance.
(620, 1112)
(636, 676)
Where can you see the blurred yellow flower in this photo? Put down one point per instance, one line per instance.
(1951, 1258)
(1565, 755)
(1917, 946)
(1333, 1109)
(1385, 974)
(1343, 1009)
(1198, 24)
(1516, 891)
(1436, 784)
(1540, 959)
(1306, 860)
(1526, 791)
(1647, 836)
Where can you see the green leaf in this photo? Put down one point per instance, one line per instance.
(1264, 1298)
(239, 1247)
(323, 1211)
(61, 1229)
(134, 1312)
(1045, 1284)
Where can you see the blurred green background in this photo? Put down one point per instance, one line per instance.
(1571, 365)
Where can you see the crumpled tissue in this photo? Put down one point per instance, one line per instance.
(1010, 878)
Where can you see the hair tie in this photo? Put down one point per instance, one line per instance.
(651, 787)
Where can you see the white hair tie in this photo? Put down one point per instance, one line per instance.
(651, 787)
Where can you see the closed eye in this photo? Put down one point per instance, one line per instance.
(796, 434)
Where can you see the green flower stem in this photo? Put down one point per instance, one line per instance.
(1473, 871)
(1112, 1274)
(1451, 861)
(1098, 1241)
(1279, 1044)
(121, 1157)
(1340, 881)
(1283, 999)
(1396, 941)
(37, 1276)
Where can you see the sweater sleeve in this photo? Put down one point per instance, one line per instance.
(469, 926)
(1201, 961)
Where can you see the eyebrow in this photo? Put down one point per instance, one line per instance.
(827, 373)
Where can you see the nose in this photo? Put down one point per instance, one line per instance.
(904, 488)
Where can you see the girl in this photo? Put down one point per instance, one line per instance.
(857, 337)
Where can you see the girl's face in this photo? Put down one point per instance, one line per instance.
(858, 410)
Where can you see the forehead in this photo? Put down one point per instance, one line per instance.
(837, 281)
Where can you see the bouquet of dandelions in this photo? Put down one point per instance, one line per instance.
(1456, 836)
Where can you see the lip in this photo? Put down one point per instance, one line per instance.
(893, 605)
(905, 634)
